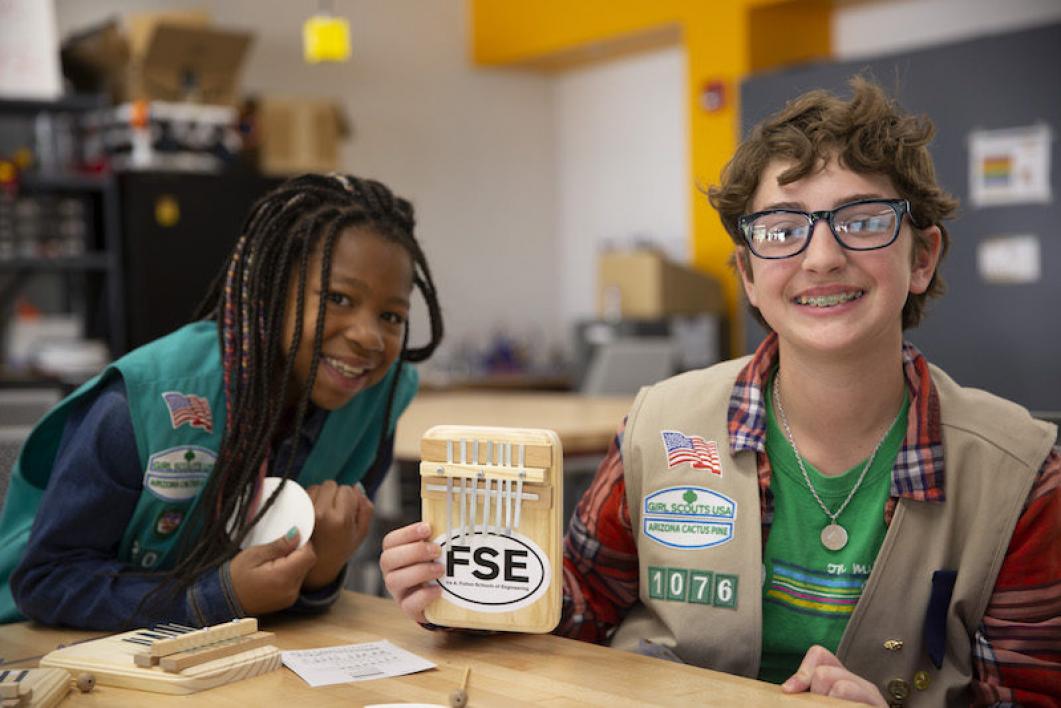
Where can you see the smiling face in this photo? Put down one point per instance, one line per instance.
(366, 309)
(830, 299)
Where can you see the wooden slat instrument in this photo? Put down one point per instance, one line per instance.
(33, 688)
(494, 500)
(171, 658)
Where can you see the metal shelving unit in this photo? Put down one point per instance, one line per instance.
(96, 273)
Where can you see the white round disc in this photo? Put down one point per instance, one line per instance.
(292, 508)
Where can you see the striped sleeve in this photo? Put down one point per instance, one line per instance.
(1017, 652)
(600, 556)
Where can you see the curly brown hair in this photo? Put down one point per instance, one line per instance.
(869, 134)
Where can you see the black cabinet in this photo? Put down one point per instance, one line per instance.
(177, 231)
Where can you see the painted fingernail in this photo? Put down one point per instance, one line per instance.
(291, 533)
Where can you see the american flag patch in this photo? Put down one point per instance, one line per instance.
(189, 409)
(700, 454)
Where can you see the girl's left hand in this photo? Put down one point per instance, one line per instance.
(822, 673)
(342, 517)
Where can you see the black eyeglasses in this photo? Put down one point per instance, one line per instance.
(863, 225)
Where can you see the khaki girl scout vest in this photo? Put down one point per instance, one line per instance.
(175, 390)
(700, 542)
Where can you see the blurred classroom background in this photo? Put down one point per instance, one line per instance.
(556, 152)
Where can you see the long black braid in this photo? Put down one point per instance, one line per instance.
(248, 299)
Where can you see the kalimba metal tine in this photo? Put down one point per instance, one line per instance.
(508, 507)
(497, 506)
(474, 505)
(449, 510)
(464, 507)
(167, 632)
(142, 642)
(519, 501)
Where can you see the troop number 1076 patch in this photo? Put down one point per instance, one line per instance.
(701, 587)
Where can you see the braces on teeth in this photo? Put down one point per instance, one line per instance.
(829, 300)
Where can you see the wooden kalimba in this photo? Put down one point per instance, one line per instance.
(170, 658)
(494, 500)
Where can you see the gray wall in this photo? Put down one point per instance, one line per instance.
(1003, 338)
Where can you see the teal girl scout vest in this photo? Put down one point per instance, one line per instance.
(175, 389)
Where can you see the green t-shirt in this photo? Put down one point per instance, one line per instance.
(809, 592)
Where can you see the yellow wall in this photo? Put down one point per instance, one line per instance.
(724, 41)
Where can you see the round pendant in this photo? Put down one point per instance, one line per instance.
(834, 537)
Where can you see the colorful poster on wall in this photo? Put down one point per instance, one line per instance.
(1010, 166)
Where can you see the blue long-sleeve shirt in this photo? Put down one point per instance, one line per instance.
(70, 573)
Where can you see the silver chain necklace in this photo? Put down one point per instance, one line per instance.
(833, 536)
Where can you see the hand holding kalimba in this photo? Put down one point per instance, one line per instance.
(409, 568)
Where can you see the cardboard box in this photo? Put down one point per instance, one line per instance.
(644, 285)
(297, 135)
(139, 27)
(174, 56)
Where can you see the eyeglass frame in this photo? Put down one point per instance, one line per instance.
(901, 207)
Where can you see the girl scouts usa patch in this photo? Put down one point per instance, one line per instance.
(177, 474)
(699, 453)
(688, 517)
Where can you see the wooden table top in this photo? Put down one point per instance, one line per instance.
(506, 669)
(585, 424)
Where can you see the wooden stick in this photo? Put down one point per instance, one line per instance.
(14, 683)
(175, 663)
(202, 637)
(459, 698)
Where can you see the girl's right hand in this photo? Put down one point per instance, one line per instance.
(408, 565)
(268, 577)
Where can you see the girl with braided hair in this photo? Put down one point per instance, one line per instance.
(130, 499)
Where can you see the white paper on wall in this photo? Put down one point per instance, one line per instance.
(1009, 259)
(29, 50)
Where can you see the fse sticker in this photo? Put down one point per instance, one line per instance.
(493, 572)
